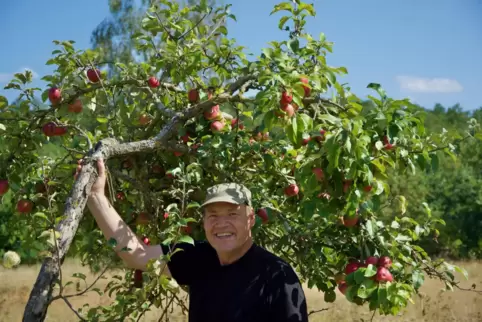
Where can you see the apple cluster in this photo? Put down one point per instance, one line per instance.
(382, 275)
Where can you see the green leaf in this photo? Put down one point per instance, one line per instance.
(102, 120)
(41, 215)
(307, 7)
(186, 239)
(287, 6)
(366, 289)
(359, 275)
(193, 205)
(294, 45)
(370, 271)
(79, 275)
(2, 127)
(292, 132)
(462, 271)
(282, 22)
(417, 279)
(3, 102)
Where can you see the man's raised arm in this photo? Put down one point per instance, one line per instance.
(112, 226)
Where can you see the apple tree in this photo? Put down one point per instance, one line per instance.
(197, 113)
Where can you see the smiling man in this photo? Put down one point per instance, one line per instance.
(230, 278)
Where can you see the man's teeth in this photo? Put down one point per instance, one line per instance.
(224, 234)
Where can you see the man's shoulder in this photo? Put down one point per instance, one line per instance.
(274, 264)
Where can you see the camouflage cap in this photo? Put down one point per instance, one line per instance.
(228, 192)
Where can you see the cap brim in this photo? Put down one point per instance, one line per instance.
(223, 199)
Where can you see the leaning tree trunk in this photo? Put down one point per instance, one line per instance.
(41, 294)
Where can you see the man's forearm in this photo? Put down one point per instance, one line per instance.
(112, 226)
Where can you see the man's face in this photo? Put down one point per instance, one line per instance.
(227, 226)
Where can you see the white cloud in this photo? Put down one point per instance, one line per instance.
(7, 77)
(429, 85)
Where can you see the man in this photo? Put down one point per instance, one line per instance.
(230, 278)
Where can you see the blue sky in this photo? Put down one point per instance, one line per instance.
(428, 50)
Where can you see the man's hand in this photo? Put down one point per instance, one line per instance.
(99, 186)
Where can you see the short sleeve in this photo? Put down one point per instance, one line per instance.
(186, 263)
(287, 300)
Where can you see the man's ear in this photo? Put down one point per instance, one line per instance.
(251, 216)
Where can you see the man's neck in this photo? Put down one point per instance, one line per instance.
(231, 257)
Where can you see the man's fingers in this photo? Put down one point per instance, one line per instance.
(101, 167)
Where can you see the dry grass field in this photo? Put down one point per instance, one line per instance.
(460, 306)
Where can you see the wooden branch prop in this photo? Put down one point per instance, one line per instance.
(41, 294)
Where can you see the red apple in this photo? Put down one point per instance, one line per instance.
(388, 146)
(342, 287)
(144, 119)
(193, 95)
(352, 267)
(372, 260)
(286, 98)
(305, 141)
(153, 82)
(185, 138)
(350, 221)
(187, 230)
(93, 75)
(120, 196)
(322, 136)
(177, 153)
(385, 140)
(217, 126)
(383, 275)
(292, 190)
(367, 188)
(49, 129)
(76, 106)
(24, 206)
(288, 109)
(146, 240)
(60, 130)
(306, 88)
(385, 261)
(4, 186)
(166, 215)
(236, 121)
(138, 279)
(55, 95)
(212, 113)
(263, 214)
(318, 173)
(346, 185)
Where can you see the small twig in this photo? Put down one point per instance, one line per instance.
(318, 311)
(90, 286)
(72, 308)
(373, 315)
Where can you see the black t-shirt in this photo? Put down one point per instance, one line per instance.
(260, 286)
